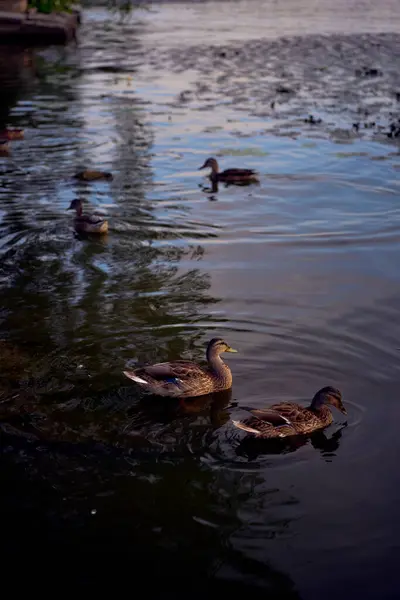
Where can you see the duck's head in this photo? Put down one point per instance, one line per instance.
(212, 164)
(329, 395)
(217, 346)
(76, 205)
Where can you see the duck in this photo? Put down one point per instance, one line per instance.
(87, 223)
(186, 379)
(288, 418)
(89, 175)
(229, 175)
(12, 134)
(311, 120)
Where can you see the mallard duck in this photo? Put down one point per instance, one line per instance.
(185, 379)
(88, 175)
(311, 120)
(87, 223)
(287, 418)
(229, 175)
(12, 134)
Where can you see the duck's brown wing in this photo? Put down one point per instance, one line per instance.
(237, 173)
(268, 415)
(179, 378)
(91, 219)
(295, 413)
(181, 369)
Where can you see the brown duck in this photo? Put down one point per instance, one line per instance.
(12, 134)
(185, 379)
(287, 418)
(88, 175)
(229, 175)
(87, 223)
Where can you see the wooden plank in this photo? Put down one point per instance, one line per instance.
(13, 18)
(38, 28)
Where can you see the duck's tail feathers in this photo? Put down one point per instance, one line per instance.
(241, 425)
(131, 375)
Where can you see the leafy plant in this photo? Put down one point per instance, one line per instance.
(49, 6)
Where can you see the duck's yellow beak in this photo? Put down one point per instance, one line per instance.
(229, 349)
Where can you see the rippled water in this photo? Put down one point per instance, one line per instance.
(299, 273)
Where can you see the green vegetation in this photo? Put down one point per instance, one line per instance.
(48, 6)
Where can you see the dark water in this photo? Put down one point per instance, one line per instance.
(300, 274)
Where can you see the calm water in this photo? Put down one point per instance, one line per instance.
(300, 274)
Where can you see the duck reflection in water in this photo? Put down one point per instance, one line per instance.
(214, 407)
(252, 447)
(184, 426)
(210, 190)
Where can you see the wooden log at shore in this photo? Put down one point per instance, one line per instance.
(38, 28)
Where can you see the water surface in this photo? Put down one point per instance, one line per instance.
(299, 273)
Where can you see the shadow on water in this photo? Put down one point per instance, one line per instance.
(104, 519)
(17, 72)
(70, 435)
(119, 505)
